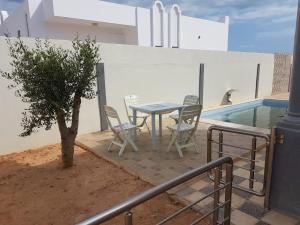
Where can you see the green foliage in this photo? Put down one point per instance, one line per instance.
(48, 78)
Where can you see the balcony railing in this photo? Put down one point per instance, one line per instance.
(127, 206)
(245, 154)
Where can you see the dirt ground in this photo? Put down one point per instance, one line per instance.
(35, 190)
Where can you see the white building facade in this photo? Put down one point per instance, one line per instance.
(158, 26)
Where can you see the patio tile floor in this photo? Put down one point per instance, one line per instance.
(158, 166)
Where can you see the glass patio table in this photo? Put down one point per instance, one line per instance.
(157, 108)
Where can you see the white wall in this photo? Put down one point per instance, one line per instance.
(38, 27)
(213, 35)
(158, 74)
(116, 23)
(143, 26)
(11, 109)
(94, 10)
(174, 27)
(68, 31)
(155, 74)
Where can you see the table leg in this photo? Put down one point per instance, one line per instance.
(134, 114)
(153, 130)
(179, 111)
(160, 125)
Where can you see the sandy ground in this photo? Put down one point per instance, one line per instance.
(35, 190)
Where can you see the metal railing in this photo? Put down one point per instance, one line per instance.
(127, 206)
(247, 154)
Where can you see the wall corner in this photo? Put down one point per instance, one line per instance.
(225, 20)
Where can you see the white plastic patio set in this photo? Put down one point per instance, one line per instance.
(182, 131)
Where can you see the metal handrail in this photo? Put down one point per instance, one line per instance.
(239, 131)
(252, 152)
(126, 206)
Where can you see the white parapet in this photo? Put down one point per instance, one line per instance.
(90, 11)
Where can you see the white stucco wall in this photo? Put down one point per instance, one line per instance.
(93, 10)
(67, 29)
(159, 74)
(213, 35)
(64, 28)
(143, 26)
(174, 27)
(155, 74)
(69, 32)
(11, 109)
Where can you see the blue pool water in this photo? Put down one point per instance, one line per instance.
(260, 113)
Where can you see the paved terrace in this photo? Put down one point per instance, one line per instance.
(158, 166)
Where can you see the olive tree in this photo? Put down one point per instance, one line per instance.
(52, 81)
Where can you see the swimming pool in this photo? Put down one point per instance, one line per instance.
(259, 113)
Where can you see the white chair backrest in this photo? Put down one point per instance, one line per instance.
(191, 100)
(112, 117)
(130, 100)
(191, 115)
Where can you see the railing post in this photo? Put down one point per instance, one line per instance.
(252, 163)
(268, 167)
(216, 194)
(257, 80)
(221, 137)
(209, 139)
(201, 83)
(228, 194)
(128, 218)
(220, 144)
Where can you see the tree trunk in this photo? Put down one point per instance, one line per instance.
(68, 135)
(67, 150)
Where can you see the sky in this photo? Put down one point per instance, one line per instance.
(255, 25)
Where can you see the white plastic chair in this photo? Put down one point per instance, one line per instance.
(141, 117)
(183, 133)
(122, 131)
(188, 100)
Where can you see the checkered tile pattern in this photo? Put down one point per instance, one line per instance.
(247, 209)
